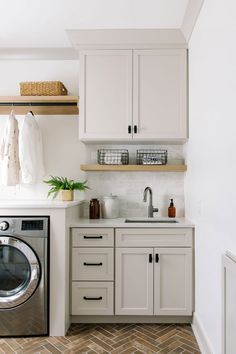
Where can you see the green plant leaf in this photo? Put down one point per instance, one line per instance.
(59, 183)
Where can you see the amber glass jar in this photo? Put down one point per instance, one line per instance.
(94, 209)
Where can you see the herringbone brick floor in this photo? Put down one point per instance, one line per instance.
(109, 339)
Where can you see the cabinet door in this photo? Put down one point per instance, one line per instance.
(105, 94)
(160, 94)
(173, 281)
(134, 281)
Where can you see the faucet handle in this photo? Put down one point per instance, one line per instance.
(155, 210)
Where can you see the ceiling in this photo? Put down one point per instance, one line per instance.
(32, 23)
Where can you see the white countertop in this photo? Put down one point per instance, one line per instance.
(120, 222)
(37, 204)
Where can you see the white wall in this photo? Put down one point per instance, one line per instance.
(211, 151)
(63, 152)
(28, 23)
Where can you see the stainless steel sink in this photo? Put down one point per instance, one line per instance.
(152, 221)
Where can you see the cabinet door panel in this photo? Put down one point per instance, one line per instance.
(173, 281)
(160, 94)
(105, 94)
(134, 281)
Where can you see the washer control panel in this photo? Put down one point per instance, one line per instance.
(25, 226)
(32, 225)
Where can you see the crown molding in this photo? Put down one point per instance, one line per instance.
(126, 38)
(190, 18)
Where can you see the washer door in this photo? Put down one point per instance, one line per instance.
(19, 272)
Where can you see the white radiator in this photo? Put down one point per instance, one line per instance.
(229, 303)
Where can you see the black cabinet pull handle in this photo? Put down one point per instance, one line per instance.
(92, 264)
(157, 258)
(150, 258)
(92, 237)
(92, 298)
(129, 129)
(135, 129)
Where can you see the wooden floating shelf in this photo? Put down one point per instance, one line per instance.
(42, 105)
(134, 168)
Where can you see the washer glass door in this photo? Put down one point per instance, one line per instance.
(19, 272)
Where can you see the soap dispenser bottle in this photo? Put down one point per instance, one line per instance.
(171, 209)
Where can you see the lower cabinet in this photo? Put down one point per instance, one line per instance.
(153, 280)
(92, 271)
(156, 280)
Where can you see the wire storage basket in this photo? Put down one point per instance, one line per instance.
(113, 157)
(151, 157)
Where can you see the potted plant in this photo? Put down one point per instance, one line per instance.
(66, 187)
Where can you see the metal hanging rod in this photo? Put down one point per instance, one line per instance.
(20, 104)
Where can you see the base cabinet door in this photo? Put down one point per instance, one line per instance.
(134, 281)
(173, 281)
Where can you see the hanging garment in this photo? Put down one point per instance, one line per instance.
(9, 151)
(31, 150)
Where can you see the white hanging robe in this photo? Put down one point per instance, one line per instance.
(31, 150)
(9, 151)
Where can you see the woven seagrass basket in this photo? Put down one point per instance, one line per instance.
(42, 88)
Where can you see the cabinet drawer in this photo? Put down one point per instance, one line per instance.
(86, 237)
(92, 264)
(92, 298)
(172, 237)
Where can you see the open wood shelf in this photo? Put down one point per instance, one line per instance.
(134, 168)
(44, 105)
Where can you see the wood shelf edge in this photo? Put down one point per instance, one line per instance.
(12, 99)
(41, 105)
(133, 168)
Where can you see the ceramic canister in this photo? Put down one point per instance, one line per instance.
(110, 207)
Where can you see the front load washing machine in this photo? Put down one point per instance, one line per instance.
(24, 276)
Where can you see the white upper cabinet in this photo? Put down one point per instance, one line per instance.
(105, 95)
(133, 95)
(160, 94)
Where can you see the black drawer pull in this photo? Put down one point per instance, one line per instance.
(129, 129)
(150, 258)
(157, 258)
(92, 237)
(92, 264)
(93, 298)
(135, 129)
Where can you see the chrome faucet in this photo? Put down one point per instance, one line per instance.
(151, 210)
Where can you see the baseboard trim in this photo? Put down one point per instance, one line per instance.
(201, 336)
(130, 319)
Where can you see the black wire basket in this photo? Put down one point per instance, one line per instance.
(113, 157)
(151, 157)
